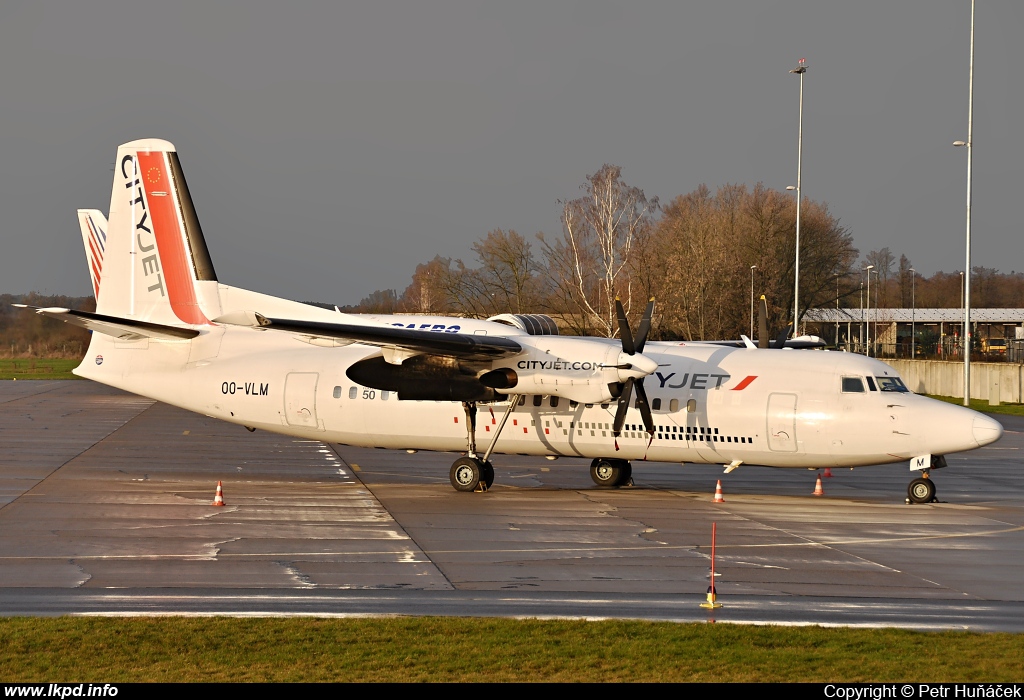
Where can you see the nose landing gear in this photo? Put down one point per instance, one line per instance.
(921, 490)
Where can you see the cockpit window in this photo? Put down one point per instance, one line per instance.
(871, 384)
(853, 385)
(892, 384)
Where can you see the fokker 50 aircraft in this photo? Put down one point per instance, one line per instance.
(166, 328)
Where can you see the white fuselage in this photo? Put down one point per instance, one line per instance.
(711, 404)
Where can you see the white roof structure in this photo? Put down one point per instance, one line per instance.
(884, 315)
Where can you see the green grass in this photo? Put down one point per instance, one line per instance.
(1010, 409)
(34, 368)
(474, 649)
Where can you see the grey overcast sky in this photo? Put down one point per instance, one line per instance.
(330, 147)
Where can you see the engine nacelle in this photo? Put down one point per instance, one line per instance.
(586, 370)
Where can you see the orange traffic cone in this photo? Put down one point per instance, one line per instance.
(828, 473)
(818, 491)
(719, 498)
(218, 500)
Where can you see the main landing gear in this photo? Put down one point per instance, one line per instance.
(611, 473)
(472, 472)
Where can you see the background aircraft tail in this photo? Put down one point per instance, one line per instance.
(153, 263)
(94, 237)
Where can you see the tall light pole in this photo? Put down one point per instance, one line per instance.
(969, 143)
(867, 349)
(837, 312)
(752, 268)
(913, 311)
(799, 70)
(862, 315)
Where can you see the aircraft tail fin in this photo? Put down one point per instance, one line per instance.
(155, 265)
(94, 238)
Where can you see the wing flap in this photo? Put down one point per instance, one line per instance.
(121, 328)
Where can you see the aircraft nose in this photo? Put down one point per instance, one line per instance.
(987, 430)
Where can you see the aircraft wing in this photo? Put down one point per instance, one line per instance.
(121, 328)
(802, 342)
(461, 345)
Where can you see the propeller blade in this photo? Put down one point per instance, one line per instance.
(645, 407)
(645, 326)
(620, 411)
(782, 337)
(627, 335)
(762, 324)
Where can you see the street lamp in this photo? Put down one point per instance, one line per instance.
(752, 268)
(867, 348)
(913, 311)
(799, 70)
(862, 315)
(967, 266)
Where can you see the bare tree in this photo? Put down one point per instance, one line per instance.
(508, 272)
(590, 263)
(882, 260)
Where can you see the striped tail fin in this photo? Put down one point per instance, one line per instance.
(94, 237)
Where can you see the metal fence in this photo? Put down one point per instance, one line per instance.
(948, 349)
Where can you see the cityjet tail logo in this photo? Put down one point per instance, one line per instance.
(556, 365)
(143, 232)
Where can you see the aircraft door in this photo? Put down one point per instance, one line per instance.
(300, 399)
(782, 423)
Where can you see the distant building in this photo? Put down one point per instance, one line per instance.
(936, 332)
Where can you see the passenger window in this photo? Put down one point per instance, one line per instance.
(337, 392)
(573, 404)
(353, 392)
(522, 400)
(871, 384)
(673, 405)
(691, 406)
(384, 394)
(656, 404)
(853, 385)
(538, 400)
(553, 402)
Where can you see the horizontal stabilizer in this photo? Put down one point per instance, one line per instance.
(121, 328)
(469, 347)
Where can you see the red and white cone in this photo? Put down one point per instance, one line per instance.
(218, 500)
(719, 498)
(827, 474)
(818, 491)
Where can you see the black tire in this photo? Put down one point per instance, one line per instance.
(626, 473)
(606, 473)
(488, 474)
(465, 474)
(921, 491)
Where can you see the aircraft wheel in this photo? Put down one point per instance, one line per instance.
(488, 474)
(921, 491)
(607, 472)
(626, 473)
(466, 474)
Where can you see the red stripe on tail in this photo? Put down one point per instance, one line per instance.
(160, 196)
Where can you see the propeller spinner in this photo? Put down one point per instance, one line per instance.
(633, 368)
